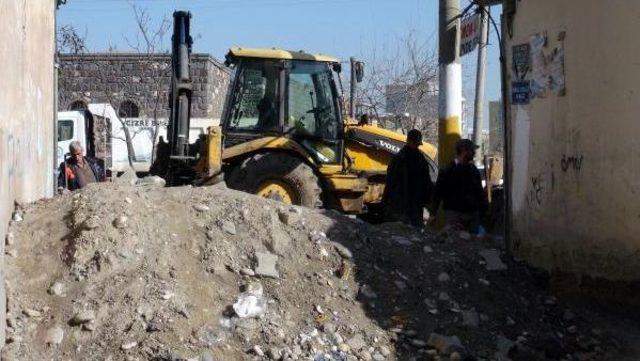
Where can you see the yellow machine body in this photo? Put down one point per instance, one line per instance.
(367, 159)
(349, 186)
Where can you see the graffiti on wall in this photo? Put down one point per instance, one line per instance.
(571, 162)
(536, 191)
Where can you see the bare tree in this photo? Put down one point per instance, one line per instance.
(400, 87)
(69, 41)
(148, 43)
(149, 39)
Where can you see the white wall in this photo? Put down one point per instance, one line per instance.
(26, 110)
(575, 158)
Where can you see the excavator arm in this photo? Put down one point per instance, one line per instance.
(177, 160)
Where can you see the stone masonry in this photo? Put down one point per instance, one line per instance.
(137, 85)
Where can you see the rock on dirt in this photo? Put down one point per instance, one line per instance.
(54, 335)
(82, 317)
(266, 265)
(56, 289)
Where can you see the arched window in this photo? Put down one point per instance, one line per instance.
(128, 109)
(78, 105)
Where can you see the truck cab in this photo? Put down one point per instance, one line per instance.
(71, 127)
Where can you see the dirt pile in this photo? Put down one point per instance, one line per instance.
(139, 273)
(147, 273)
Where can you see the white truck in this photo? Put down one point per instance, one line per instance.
(103, 135)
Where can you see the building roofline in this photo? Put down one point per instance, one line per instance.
(134, 56)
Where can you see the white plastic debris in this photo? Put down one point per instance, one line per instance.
(250, 304)
(17, 216)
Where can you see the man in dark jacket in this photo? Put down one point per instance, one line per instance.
(77, 171)
(408, 186)
(459, 189)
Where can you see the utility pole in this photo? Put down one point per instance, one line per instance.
(480, 80)
(450, 89)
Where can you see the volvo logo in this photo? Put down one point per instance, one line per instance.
(388, 146)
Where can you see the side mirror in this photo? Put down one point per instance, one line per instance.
(337, 67)
(359, 68)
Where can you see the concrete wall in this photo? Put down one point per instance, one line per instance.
(26, 110)
(575, 157)
(144, 80)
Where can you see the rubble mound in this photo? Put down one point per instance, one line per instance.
(118, 272)
(141, 272)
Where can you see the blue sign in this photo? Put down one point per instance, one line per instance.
(520, 92)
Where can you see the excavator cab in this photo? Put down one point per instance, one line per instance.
(284, 130)
(291, 94)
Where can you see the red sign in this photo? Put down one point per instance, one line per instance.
(469, 34)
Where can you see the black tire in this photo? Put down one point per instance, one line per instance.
(249, 175)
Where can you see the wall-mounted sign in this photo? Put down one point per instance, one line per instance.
(470, 34)
(520, 92)
(521, 59)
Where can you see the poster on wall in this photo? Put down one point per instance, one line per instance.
(556, 70)
(539, 77)
(521, 60)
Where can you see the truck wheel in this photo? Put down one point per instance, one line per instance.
(278, 176)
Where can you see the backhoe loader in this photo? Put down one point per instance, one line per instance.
(284, 131)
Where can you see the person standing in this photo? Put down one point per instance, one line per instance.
(408, 187)
(77, 171)
(459, 190)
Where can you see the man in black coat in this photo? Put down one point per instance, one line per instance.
(459, 190)
(408, 186)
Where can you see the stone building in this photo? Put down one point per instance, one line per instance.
(137, 85)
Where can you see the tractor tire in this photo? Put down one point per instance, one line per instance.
(302, 185)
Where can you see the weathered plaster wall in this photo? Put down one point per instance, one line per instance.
(575, 158)
(26, 110)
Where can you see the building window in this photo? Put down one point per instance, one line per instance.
(128, 109)
(78, 105)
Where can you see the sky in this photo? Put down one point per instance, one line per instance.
(341, 28)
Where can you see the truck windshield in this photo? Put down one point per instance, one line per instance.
(65, 130)
(312, 109)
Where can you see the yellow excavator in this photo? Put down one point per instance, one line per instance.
(284, 132)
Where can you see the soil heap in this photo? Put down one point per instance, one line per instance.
(121, 272)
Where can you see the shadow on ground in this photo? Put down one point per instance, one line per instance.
(416, 284)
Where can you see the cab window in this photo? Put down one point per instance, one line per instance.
(254, 105)
(65, 130)
(312, 111)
